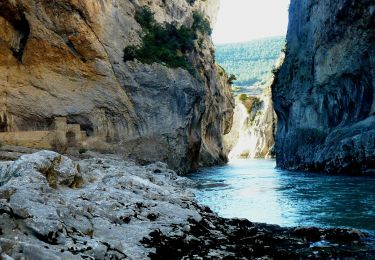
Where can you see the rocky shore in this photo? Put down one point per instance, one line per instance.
(102, 207)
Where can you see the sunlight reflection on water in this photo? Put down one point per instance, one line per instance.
(254, 189)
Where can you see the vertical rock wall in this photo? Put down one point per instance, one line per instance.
(324, 93)
(64, 58)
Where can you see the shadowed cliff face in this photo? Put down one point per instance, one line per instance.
(324, 93)
(64, 58)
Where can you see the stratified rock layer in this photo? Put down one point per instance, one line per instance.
(65, 58)
(324, 93)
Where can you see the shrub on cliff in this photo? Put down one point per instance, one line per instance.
(243, 97)
(145, 17)
(191, 2)
(201, 24)
(231, 79)
(165, 43)
(252, 103)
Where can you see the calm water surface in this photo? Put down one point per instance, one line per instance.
(255, 190)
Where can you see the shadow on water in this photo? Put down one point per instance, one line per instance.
(255, 190)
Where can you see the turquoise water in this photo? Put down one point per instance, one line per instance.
(255, 190)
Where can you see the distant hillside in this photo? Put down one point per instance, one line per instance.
(251, 62)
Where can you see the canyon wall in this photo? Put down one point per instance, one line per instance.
(324, 93)
(65, 59)
(253, 130)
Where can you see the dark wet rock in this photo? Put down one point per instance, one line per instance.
(218, 238)
(123, 210)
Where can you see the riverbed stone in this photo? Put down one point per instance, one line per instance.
(124, 210)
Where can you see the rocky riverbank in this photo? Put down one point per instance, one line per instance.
(102, 207)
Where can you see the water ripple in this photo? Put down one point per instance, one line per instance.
(254, 189)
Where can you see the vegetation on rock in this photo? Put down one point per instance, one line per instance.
(231, 79)
(165, 43)
(82, 150)
(252, 103)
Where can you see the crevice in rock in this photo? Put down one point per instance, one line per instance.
(21, 30)
(24, 29)
(11, 213)
(50, 238)
(74, 51)
(110, 248)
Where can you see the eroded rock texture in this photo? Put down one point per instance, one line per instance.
(53, 208)
(324, 93)
(102, 207)
(64, 58)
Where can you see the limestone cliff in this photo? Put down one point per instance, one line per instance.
(65, 58)
(253, 130)
(324, 93)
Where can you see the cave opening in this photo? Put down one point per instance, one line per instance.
(250, 40)
(16, 29)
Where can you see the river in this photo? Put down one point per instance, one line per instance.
(255, 190)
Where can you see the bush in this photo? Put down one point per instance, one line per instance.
(251, 103)
(243, 97)
(275, 71)
(145, 17)
(82, 150)
(201, 24)
(191, 2)
(231, 79)
(130, 53)
(166, 43)
(285, 48)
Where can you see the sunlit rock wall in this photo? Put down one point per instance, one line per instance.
(65, 58)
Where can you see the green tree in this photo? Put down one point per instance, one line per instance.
(165, 43)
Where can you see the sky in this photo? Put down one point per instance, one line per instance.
(246, 20)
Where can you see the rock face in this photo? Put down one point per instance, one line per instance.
(324, 93)
(253, 129)
(65, 58)
(52, 207)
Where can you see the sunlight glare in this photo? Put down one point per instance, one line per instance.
(246, 20)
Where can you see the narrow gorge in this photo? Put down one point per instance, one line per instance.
(117, 124)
